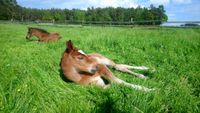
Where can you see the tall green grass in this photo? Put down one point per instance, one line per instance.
(31, 81)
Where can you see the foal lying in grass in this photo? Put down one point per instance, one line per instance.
(42, 35)
(88, 69)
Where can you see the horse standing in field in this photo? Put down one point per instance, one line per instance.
(42, 35)
(88, 69)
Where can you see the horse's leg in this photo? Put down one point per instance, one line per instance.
(107, 74)
(121, 67)
(42, 40)
(133, 67)
(124, 68)
(39, 38)
(96, 80)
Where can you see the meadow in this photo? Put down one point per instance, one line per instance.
(31, 80)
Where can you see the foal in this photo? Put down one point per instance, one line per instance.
(88, 69)
(42, 35)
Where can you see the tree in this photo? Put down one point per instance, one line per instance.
(9, 9)
(57, 14)
(78, 15)
(91, 14)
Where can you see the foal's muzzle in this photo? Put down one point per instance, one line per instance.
(94, 69)
(27, 37)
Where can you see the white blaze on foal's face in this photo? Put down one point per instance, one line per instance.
(80, 51)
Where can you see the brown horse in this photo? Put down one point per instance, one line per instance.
(42, 35)
(88, 69)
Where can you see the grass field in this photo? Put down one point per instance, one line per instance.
(30, 77)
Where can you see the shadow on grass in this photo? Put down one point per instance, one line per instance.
(148, 74)
(62, 76)
(104, 102)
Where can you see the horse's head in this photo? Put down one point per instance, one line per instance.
(29, 33)
(79, 60)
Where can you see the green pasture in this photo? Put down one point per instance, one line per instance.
(31, 80)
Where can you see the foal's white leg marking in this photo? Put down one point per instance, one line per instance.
(138, 87)
(124, 68)
(133, 67)
(136, 74)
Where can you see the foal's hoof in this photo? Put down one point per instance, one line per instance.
(142, 76)
(144, 68)
(148, 90)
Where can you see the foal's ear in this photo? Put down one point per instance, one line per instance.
(69, 45)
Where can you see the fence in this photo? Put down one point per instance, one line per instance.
(114, 23)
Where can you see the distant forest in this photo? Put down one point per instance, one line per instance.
(10, 10)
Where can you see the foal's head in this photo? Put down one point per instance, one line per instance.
(81, 62)
(29, 33)
(35, 32)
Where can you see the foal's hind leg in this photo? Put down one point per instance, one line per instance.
(121, 67)
(107, 74)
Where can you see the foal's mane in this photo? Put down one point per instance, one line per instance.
(39, 29)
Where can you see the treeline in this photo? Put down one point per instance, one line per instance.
(10, 10)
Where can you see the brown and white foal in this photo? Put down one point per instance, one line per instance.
(88, 69)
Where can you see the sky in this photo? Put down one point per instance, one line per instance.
(177, 10)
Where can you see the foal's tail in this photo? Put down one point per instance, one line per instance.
(57, 35)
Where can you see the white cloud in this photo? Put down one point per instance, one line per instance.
(166, 2)
(159, 2)
(113, 3)
(181, 1)
(81, 4)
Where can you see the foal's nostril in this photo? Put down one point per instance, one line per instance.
(97, 68)
(94, 70)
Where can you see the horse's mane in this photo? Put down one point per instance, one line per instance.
(39, 29)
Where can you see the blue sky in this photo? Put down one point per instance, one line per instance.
(177, 10)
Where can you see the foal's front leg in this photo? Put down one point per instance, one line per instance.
(92, 79)
(133, 67)
(125, 68)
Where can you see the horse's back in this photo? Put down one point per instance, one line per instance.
(100, 59)
(55, 36)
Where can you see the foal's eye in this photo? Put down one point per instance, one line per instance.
(80, 58)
